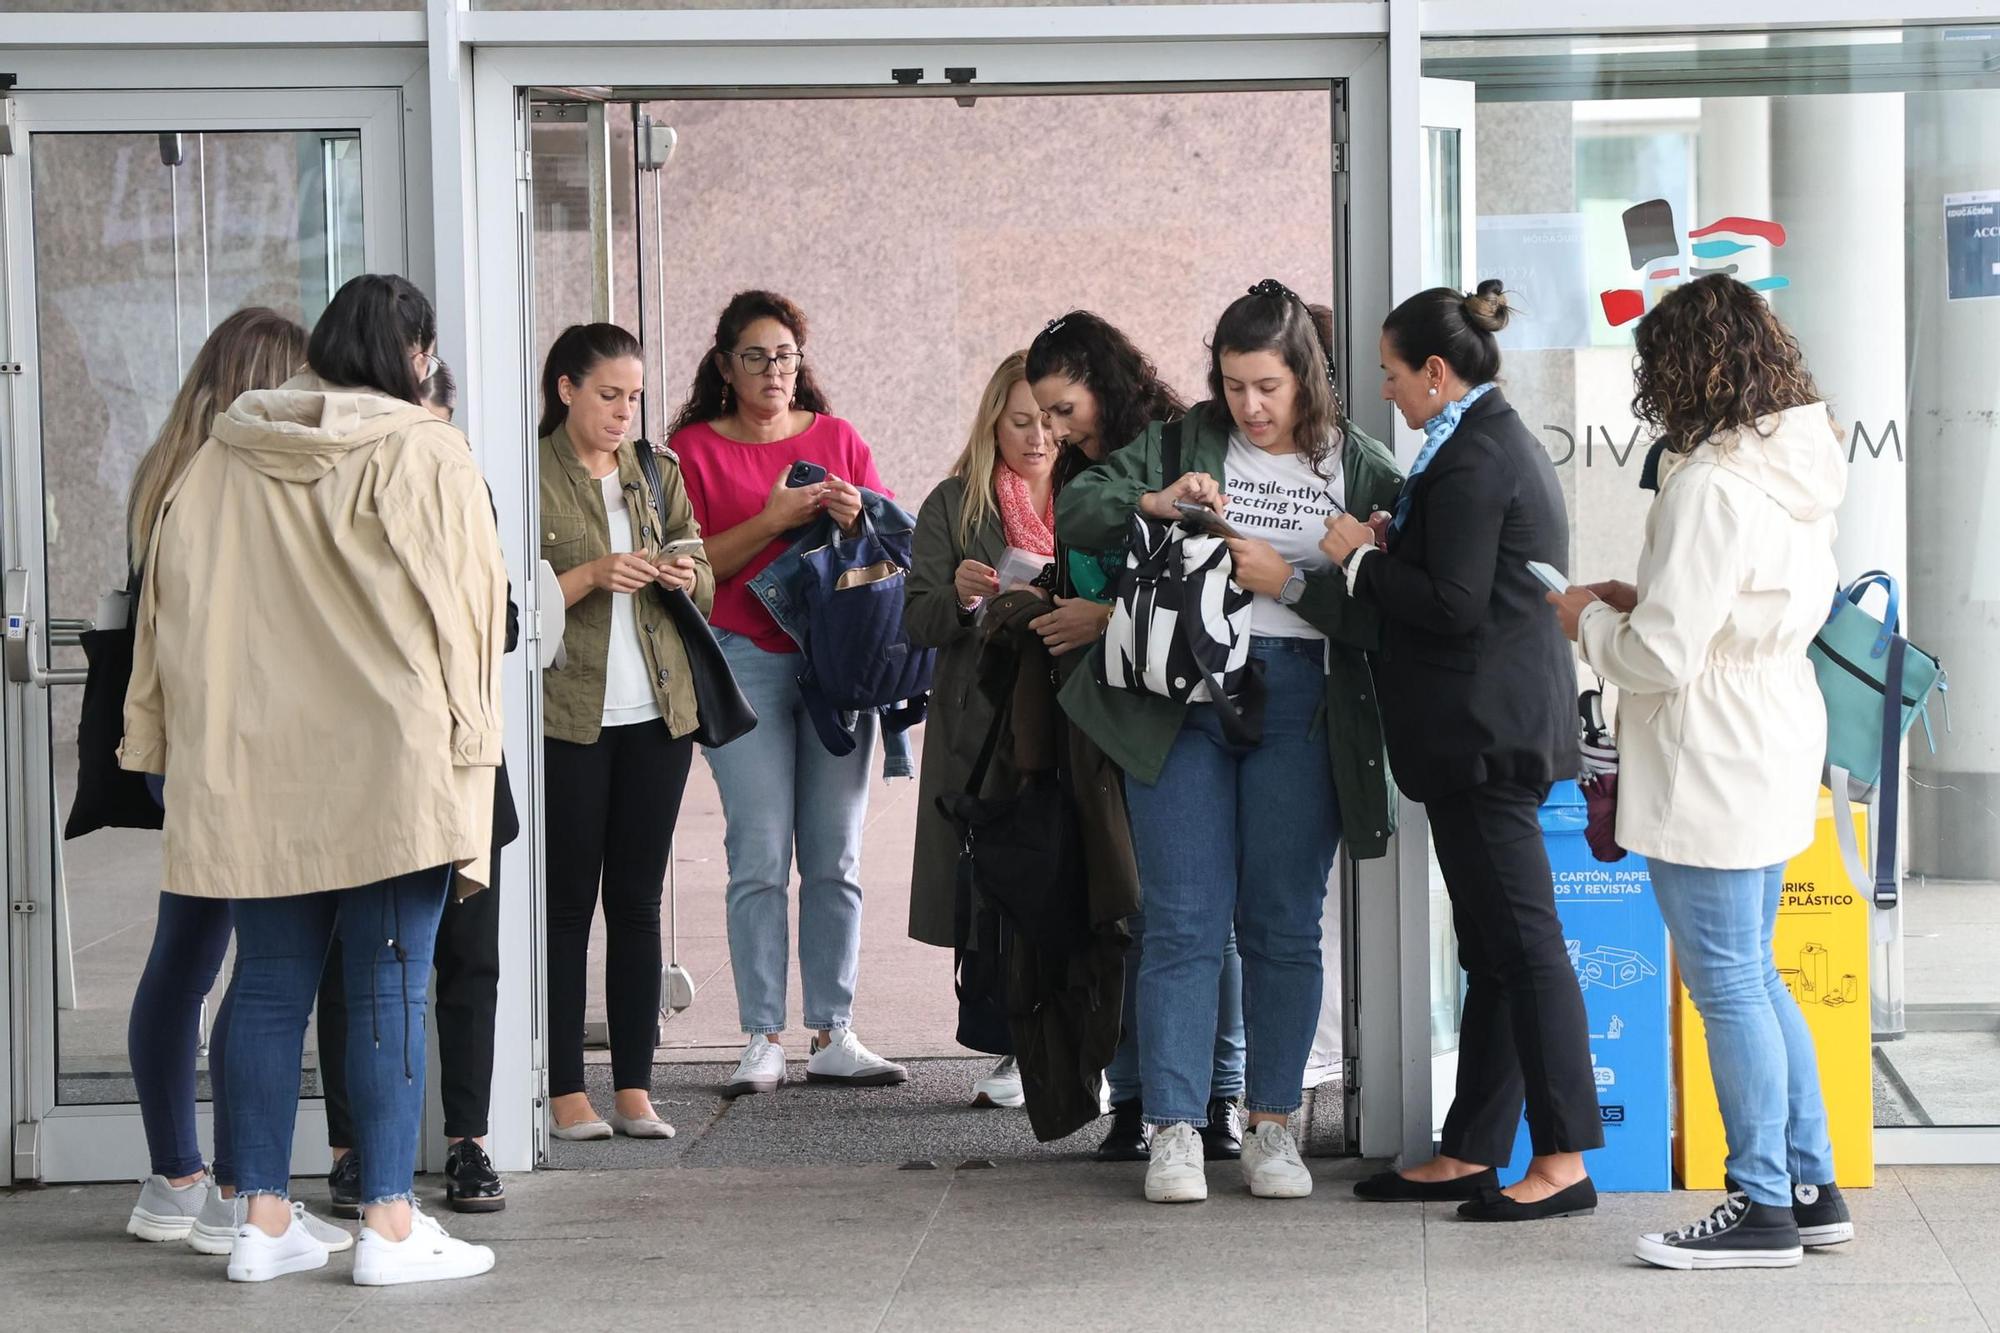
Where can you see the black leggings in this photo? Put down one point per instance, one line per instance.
(612, 806)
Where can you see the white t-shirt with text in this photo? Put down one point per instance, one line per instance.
(1279, 498)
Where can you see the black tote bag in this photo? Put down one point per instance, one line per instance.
(108, 796)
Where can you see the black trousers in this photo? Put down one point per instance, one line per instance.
(467, 959)
(612, 806)
(1525, 1033)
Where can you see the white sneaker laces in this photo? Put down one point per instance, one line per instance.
(1281, 1145)
(1178, 1145)
(1724, 1217)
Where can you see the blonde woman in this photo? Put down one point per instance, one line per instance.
(996, 510)
(181, 1200)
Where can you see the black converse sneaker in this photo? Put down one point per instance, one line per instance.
(1822, 1215)
(1738, 1234)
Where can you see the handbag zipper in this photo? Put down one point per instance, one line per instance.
(1861, 675)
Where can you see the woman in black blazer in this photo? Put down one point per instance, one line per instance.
(1478, 698)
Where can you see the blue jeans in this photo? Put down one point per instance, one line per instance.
(1759, 1047)
(1244, 835)
(780, 789)
(386, 931)
(1226, 1079)
(190, 937)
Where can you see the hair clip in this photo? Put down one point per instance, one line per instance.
(1054, 324)
(1272, 287)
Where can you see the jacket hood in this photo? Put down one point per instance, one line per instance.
(1792, 456)
(298, 431)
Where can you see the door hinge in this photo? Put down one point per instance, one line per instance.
(1350, 1072)
(25, 907)
(27, 1151)
(11, 368)
(1341, 156)
(524, 165)
(535, 625)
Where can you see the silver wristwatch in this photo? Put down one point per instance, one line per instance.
(1295, 588)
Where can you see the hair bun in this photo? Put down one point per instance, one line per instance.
(1486, 309)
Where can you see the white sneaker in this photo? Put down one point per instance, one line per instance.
(762, 1068)
(845, 1060)
(215, 1230)
(166, 1212)
(427, 1254)
(1002, 1087)
(256, 1257)
(1272, 1167)
(1175, 1173)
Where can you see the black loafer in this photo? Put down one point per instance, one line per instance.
(471, 1185)
(1130, 1138)
(1395, 1187)
(1578, 1200)
(344, 1184)
(1222, 1136)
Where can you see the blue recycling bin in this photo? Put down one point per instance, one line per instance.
(1618, 945)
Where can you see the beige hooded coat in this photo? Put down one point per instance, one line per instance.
(318, 642)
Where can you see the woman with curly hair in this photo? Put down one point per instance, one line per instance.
(1723, 733)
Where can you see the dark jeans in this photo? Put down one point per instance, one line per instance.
(612, 806)
(190, 937)
(386, 931)
(1525, 1033)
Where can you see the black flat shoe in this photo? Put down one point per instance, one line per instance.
(1222, 1136)
(1395, 1187)
(1578, 1200)
(343, 1184)
(471, 1185)
(1130, 1138)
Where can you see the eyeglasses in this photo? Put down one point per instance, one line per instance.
(755, 359)
(431, 364)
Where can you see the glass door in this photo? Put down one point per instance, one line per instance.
(132, 226)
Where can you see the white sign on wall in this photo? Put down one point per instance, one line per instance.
(1540, 258)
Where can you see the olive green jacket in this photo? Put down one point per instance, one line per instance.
(576, 531)
(1136, 729)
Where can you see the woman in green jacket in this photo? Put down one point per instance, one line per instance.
(995, 511)
(1246, 836)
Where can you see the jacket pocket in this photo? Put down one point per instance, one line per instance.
(563, 541)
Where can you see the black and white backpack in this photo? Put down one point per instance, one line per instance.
(1180, 623)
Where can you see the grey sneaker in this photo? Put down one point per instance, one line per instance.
(165, 1213)
(215, 1230)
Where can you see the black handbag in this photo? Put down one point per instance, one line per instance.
(108, 796)
(721, 712)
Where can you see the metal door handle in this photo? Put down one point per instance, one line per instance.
(25, 649)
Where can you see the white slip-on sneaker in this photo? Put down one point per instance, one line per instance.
(845, 1060)
(215, 1230)
(427, 1254)
(1272, 1167)
(762, 1068)
(165, 1212)
(257, 1257)
(1175, 1174)
(1002, 1087)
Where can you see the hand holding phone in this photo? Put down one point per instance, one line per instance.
(673, 550)
(804, 473)
(1552, 578)
(1204, 519)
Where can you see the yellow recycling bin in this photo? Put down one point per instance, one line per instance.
(1822, 952)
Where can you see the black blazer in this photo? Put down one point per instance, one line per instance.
(1477, 683)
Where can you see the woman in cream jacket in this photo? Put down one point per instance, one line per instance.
(1722, 732)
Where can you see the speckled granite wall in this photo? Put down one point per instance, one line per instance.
(925, 241)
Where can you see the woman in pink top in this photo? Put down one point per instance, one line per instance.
(753, 412)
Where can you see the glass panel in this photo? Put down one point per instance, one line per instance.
(1847, 174)
(1443, 210)
(143, 242)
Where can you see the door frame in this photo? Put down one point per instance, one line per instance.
(1385, 951)
(52, 1141)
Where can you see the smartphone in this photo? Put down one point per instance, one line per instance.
(804, 474)
(1205, 519)
(685, 546)
(1551, 577)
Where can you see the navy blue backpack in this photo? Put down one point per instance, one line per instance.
(860, 655)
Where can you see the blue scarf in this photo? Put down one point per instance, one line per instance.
(1436, 431)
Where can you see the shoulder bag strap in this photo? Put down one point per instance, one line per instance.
(1889, 786)
(1170, 452)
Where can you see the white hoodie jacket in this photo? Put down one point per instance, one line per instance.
(1721, 727)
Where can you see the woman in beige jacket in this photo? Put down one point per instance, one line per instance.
(1722, 732)
(317, 673)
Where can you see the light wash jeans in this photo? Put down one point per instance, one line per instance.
(1759, 1047)
(387, 932)
(781, 788)
(1248, 836)
(1226, 1078)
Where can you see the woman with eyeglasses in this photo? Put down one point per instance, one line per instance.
(753, 413)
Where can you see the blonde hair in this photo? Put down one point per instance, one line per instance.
(255, 348)
(982, 451)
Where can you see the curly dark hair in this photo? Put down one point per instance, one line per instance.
(1090, 350)
(1712, 358)
(707, 396)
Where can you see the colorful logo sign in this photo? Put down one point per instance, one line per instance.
(1651, 237)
